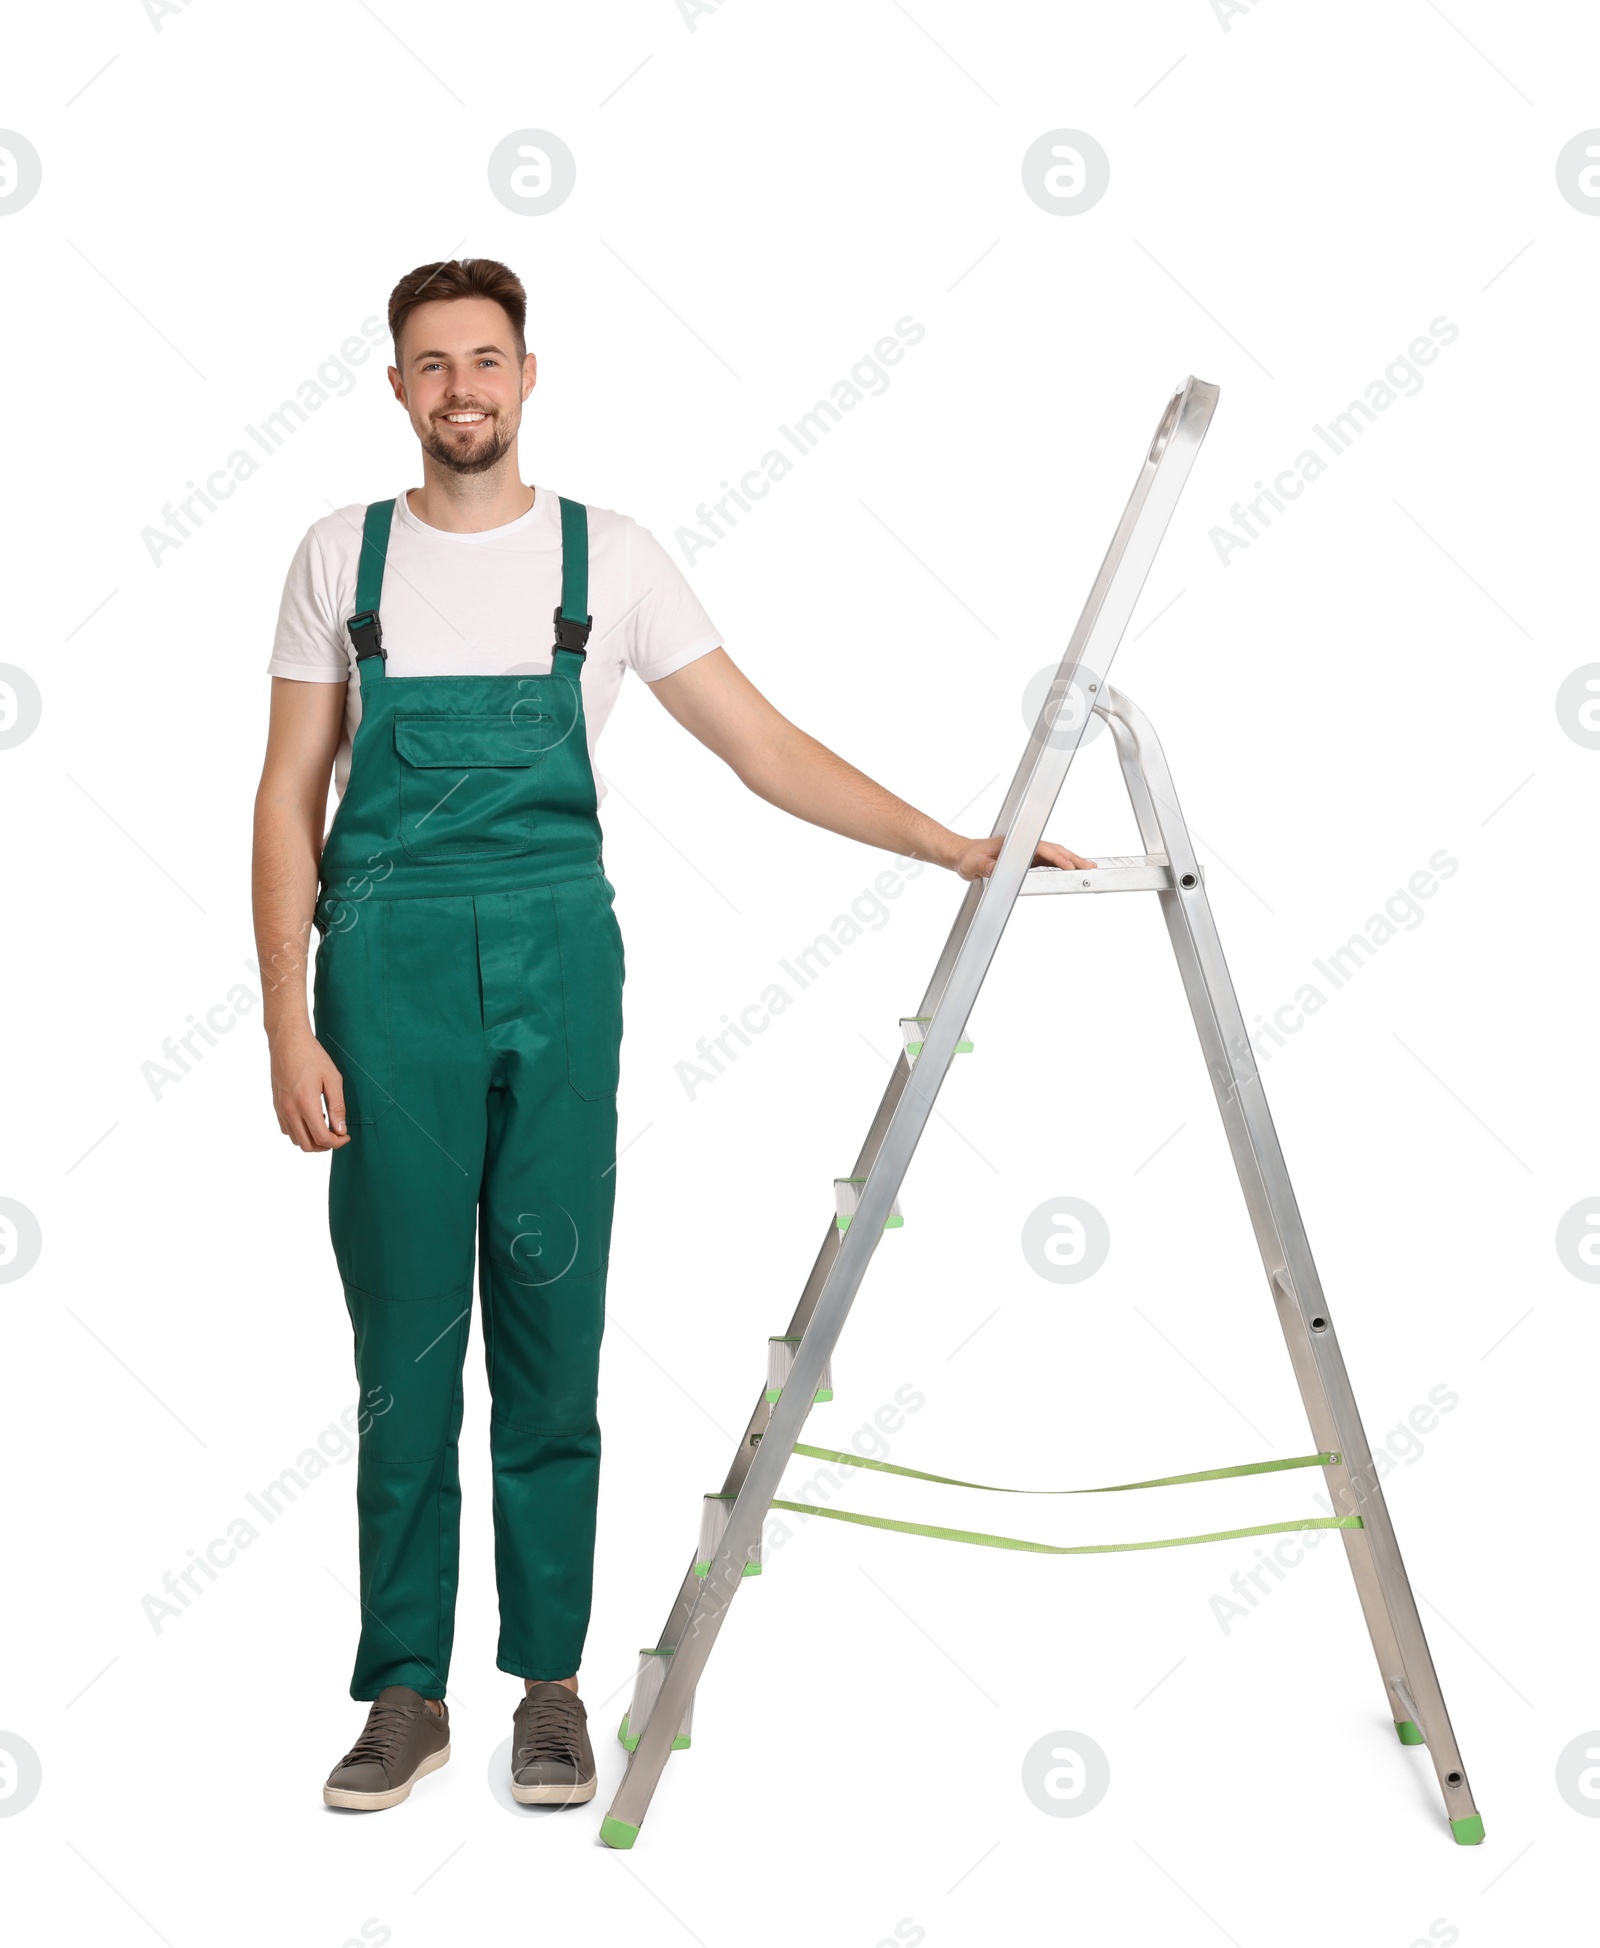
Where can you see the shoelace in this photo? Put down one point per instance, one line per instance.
(550, 1729)
(383, 1733)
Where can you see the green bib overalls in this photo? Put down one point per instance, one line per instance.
(469, 986)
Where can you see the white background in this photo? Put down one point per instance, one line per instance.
(761, 193)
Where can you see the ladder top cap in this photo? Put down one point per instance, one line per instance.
(1187, 416)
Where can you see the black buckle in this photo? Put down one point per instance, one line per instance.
(571, 634)
(367, 635)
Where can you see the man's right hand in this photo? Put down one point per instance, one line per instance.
(291, 807)
(303, 1079)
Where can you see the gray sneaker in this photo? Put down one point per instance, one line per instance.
(402, 1741)
(552, 1762)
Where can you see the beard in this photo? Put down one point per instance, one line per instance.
(452, 451)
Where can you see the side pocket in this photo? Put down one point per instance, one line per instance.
(592, 973)
(350, 1006)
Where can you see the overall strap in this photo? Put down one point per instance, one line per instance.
(572, 617)
(365, 631)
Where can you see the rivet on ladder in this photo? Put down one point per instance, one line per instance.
(847, 1201)
(714, 1511)
(780, 1364)
(646, 1689)
(911, 1033)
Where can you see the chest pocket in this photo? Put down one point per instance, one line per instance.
(469, 785)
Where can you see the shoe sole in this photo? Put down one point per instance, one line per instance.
(554, 1795)
(375, 1802)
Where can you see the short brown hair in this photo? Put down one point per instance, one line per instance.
(460, 277)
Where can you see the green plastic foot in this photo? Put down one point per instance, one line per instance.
(1468, 1831)
(630, 1741)
(618, 1833)
(1410, 1733)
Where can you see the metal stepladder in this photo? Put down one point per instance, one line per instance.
(658, 1719)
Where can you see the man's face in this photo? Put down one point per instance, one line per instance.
(461, 382)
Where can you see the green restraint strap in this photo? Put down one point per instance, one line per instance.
(1116, 1487)
(1083, 1548)
(1078, 1549)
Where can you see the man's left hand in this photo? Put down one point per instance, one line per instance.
(977, 857)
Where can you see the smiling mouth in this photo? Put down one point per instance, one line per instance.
(468, 418)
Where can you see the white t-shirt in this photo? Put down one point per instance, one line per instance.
(482, 605)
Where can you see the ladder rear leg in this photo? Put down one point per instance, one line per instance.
(1411, 1685)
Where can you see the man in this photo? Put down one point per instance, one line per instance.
(468, 991)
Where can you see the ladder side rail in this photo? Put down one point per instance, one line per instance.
(761, 1414)
(986, 907)
(1037, 784)
(1122, 572)
(672, 1631)
(974, 938)
(1158, 823)
(763, 1463)
(1269, 1240)
(1285, 1248)
(1042, 769)
(827, 1252)
(756, 1426)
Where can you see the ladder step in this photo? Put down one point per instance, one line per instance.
(713, 1527)
(912, 1028)
(646, 1689)
(1149, 872)
(847, 1201)
(780, 1364)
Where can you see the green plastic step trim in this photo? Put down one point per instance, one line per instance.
(703, 1569)
(630, 1740)
(1468, 1831)
(891, 1224)
(914, 1049)
(1410, 1732)
(617, 1833)
(822, 1393)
